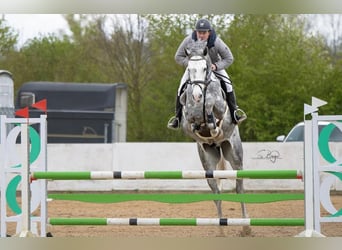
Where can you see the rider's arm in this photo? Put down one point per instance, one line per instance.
(180, 56)
(226, 56)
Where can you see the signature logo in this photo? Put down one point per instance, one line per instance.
(266, 154)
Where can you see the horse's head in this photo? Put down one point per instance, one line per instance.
(202, 100)
(199, 69)
(194, 97)
(199, 64)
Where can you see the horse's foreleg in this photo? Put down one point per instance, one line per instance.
(210, 156)
(233, 153)
(213, 184)
(240, 190)
(246, 230)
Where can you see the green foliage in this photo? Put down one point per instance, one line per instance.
(8, 39)
(165, 38)
(49, 59)
(277, 66)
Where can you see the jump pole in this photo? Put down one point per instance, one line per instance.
(216, 174)
(25, 194)
(178, 221)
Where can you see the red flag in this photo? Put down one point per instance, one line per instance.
(23, 112)
(40, 105)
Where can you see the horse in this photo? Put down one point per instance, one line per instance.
(207, 120)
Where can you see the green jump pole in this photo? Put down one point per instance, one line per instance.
(178, 221)
(217, 174)
(269, 174)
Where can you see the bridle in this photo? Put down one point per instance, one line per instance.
(207, 79)
(202, 84)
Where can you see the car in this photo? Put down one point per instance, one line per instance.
(297, 133)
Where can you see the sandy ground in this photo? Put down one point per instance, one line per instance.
(206, 209)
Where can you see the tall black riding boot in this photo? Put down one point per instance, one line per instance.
(174, 122)
(237, 114)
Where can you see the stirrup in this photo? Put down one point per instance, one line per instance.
(173, 123)
(239, 116)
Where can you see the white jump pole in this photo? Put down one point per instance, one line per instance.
(25, 192)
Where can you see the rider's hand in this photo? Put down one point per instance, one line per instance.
(213, 67)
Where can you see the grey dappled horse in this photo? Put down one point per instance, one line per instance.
(207, 120)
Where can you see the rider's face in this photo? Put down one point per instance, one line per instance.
(203, 35)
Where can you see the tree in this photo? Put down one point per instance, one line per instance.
(118, 49)
(277, 68)
(131, 57)
(8, 39)
(45, 59)
(329, 27)
(164, 37)
(166, 32)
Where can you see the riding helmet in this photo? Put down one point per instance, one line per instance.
(203, 25)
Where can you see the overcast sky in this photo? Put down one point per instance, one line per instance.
(32, 25)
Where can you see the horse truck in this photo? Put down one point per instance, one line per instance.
(78, 112)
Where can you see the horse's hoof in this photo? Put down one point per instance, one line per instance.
(246, 231)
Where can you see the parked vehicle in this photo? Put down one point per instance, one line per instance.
(297, 133)
(79, 112)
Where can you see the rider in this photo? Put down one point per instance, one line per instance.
(221, 58)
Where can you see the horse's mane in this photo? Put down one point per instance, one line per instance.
(199, 48)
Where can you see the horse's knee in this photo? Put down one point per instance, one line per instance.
(213, 186)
